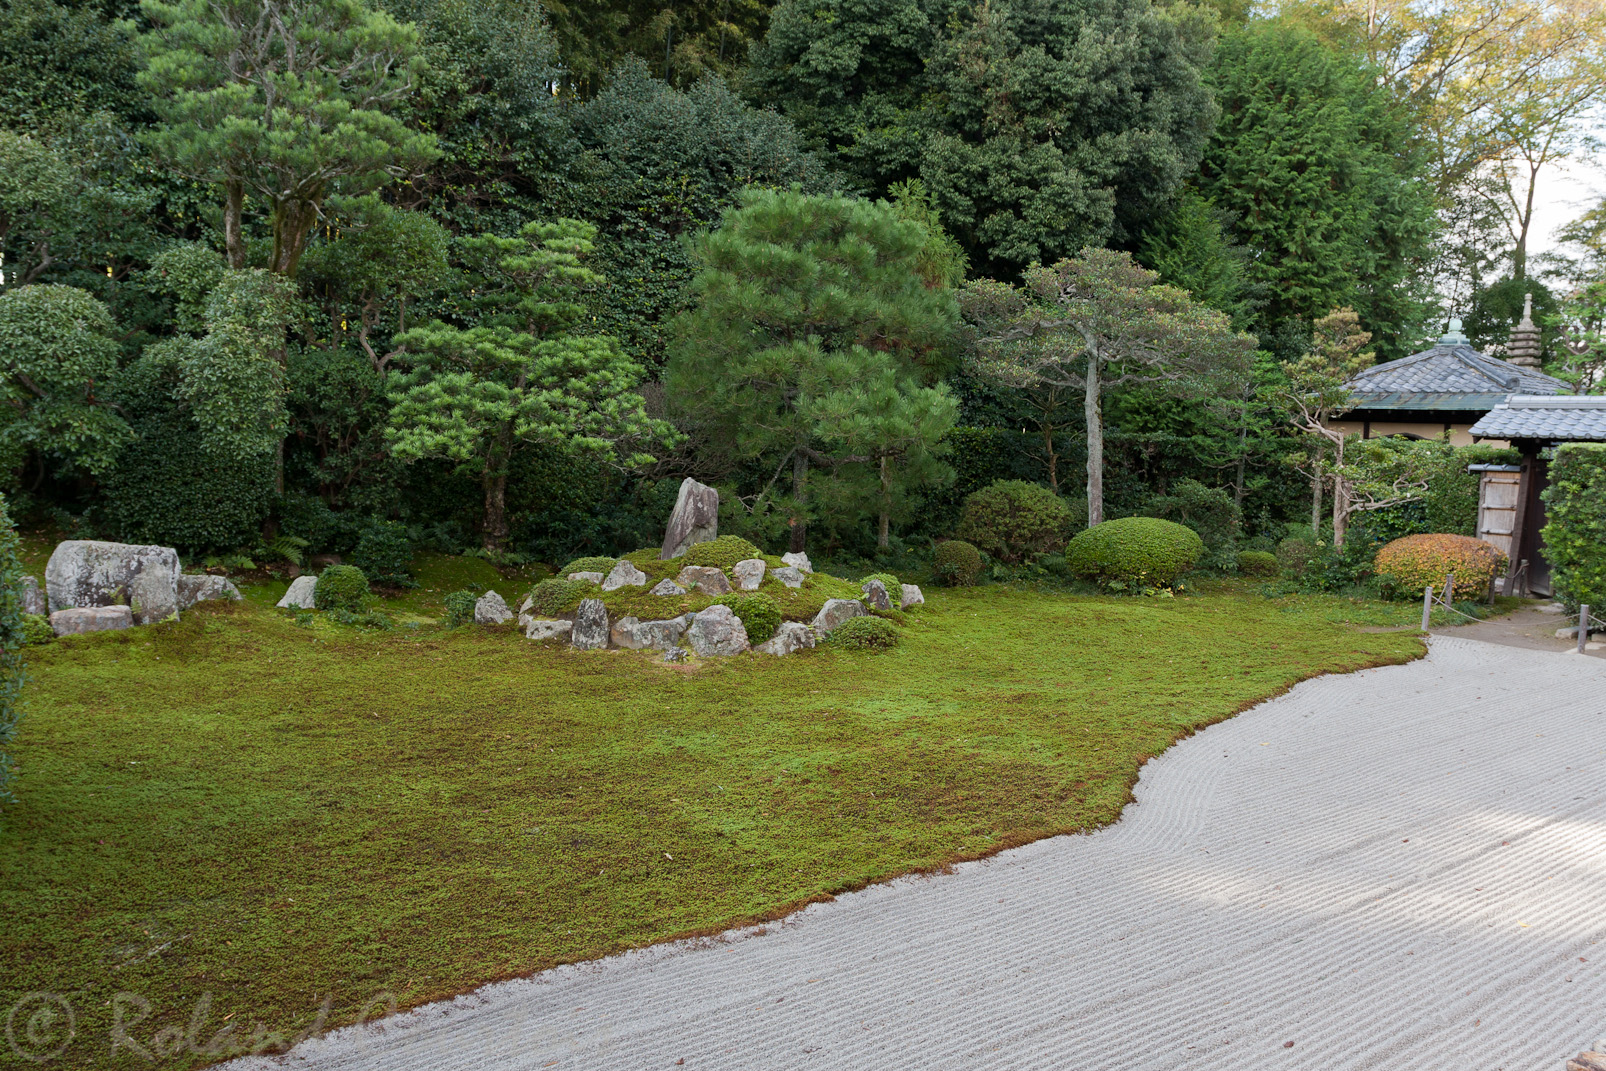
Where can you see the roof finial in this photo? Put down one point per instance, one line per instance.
(1454, 337)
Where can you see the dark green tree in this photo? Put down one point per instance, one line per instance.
(12, 636)
(1313, 160)
(814, 345)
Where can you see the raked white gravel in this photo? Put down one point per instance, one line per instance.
(1402, 868)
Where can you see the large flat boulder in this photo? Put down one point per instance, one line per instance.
(546, 628)
(89, 572)
(75, 621)
(836, 611)
(590, 631)
(299, 597)
(695, 519)
(717, 630)
(636, 635)
(790, 575)
(791, 637)
(201, 587)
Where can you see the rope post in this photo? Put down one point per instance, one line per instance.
(1449, 590)
(1427, 606)
(1583, 626)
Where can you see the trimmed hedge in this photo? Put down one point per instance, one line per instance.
(341, 587)
(759, 613)
(1134, 551)
(958, 563)
(1258, 563)
(1575, 529)
(1410, 564)
(865, 634)
(722, 553)
(1015, 521)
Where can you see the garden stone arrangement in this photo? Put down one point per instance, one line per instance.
(92, 586)
(657, 599)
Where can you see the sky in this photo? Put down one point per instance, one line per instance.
(1565, 192)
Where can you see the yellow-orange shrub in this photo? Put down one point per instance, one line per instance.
(1412, 563)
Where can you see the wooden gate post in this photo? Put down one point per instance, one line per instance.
(1427, 606)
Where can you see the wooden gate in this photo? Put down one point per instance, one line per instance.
(1497, 505)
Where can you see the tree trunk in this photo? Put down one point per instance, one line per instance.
(1519, 256)
(1095, 443)
(800, 491)
(882, 531)
(292, 223)
(1243, 453)
(1340, 496)
(494, 536)
(233, 209)
(1316, 495)
(1051, 457)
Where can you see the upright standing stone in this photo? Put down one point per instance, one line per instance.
(89, 572)
(875, 595)
(299, 597)
(590, 626)
(33, 599)
(491, 609)
(911, 596)
(153, 594)
(798, 560)
(749, 573)
(694, 520)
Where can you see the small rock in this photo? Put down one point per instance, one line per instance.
(717, 630)
(676, 654)
(491, 609)
(710, 579)
(33, 599)
(875, 595)
(789, 575)
(836, 611)
(1567, 633)
(77, 620)
(1588, 1061)
(635, 635)
(299, 597)
(792, 636)
(542, 628)
(153, 594)
(524, 607)
(749, 573)
(201, 587)
(798, 560)
(589, 578)
(910, 596)
(625, 574)
(590, 626)
(667, 587)
(695, 519)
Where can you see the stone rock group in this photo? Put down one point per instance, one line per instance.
(711, 632)
(93, 586)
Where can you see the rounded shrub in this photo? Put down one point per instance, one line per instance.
(341, 587)
(1258, 563)
(1015, 521)
(865, 634)
(760, 615)
(36, 630)
(589, 565)
(643, 557)
(722, 553)
(958, 563)
(558, 596)
(1410, 564)
(385, 554)
(460, 608)
(1134, 551)
(1294, 554)
(893, 585)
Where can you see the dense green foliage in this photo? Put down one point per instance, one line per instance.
(866, 634)
(1134, 553)
(460, 608)
(559, 595)
(1209, 511)
(1575, 529)
(36, 630)
(759, 614)
(1406, 566)
(384, 553)
(1016, 521)
(341, 587)
(14, 635)
(589, 565)
(957, 562)
(722, 553)
(1258, 563)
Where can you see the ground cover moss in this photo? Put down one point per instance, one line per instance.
(235, 808)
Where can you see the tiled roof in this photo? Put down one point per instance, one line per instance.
(1581, 419)
(1447, 370)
